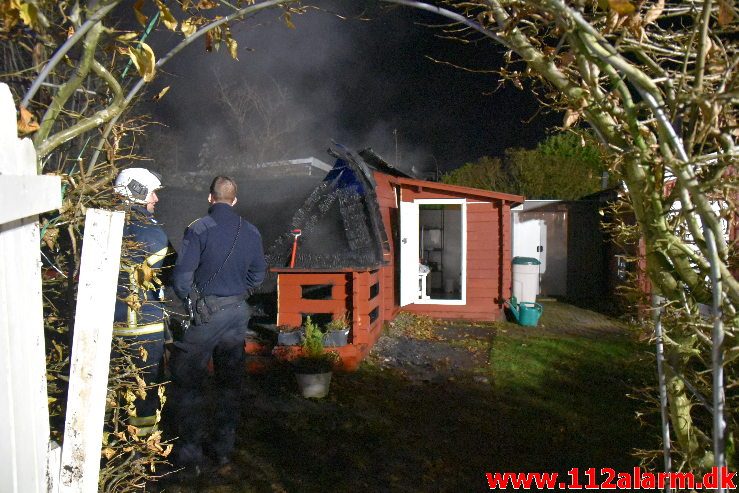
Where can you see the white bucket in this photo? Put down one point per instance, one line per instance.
(314, 385)
(525, 282)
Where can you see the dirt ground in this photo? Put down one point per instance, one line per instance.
(425, 412)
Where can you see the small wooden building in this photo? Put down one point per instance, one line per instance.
(399, 244)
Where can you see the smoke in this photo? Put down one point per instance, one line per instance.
(363, 80)
(363, 83)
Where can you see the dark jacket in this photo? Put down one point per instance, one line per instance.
(206, 246)
(150, 246)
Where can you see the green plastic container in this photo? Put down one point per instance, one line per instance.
(529, 313)
(526, 313)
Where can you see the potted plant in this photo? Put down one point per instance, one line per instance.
(337, 333)
(314, 367)
(289, 336)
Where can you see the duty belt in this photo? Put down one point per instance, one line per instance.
(221, 302)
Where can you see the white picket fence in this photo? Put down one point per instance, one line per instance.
(29, 461)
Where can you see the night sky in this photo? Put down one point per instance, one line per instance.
(356, 82)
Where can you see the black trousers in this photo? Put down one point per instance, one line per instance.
(208, 408)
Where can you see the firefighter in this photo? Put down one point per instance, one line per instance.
(139, 309)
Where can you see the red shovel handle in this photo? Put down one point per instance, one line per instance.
(296, 233)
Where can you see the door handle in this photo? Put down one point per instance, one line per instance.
(405, 240)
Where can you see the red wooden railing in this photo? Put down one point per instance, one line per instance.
(355, 295)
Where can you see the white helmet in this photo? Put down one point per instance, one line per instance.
(135, 184)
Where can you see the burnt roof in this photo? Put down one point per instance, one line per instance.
(340, 222)
(378, 163)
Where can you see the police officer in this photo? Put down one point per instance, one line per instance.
(222, 258)
(139, 311)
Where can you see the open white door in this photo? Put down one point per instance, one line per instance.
(529, 238)
(408, 253)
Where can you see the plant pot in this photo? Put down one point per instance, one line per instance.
(314, 385)
(336, 338)
(292, 338)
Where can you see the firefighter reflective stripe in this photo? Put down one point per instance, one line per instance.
(144, 424)
(157, 257)
(139, 330)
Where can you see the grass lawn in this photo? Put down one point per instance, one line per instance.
(491, 397)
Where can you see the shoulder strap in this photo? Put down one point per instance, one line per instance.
(238, 230)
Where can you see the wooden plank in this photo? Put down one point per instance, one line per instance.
(490, 236)
(478, 223)
(313, 306)
(484, 247)
(479, 218)
(288, 292)
(482, 215)
(338, 292)
(93, 331)
(484, 258)
(24, 415)
(481, 257)
(488, 239)
(483, 221)
(54, 467)
(484, 227)
(358, 328)
(480, 295)
(361, 307)
(23, 196)
(289, 319)
(309, 278)
(482, 273)
(364, 279)
(481, 212)
(24, 419)
(386, 199)
(359, 285)
(375, 331)
(482, 283)
(381, 300)
(372, 304)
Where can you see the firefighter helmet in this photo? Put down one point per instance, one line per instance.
(135, 184)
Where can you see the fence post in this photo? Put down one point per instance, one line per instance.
(24, 412)
(717, 358)
(663, 404)
(93, 333)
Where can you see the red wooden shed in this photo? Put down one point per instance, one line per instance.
(413, 245)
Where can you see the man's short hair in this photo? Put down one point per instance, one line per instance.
(223, 189)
